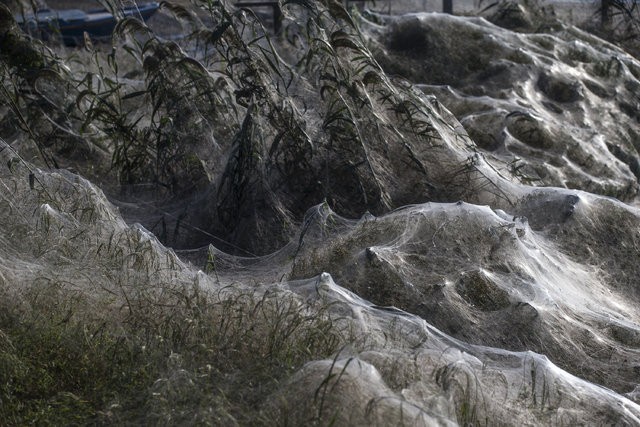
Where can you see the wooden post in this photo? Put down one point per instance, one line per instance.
(447, 6)
(277, 18)
(605, 13)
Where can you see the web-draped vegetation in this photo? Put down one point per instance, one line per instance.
(142, 182)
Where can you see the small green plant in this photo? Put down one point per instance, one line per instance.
(465, 388)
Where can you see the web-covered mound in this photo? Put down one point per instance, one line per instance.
(60, 230)
(561, 284)
(556, 107)
(411, 373)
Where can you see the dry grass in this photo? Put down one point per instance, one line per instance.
(188, 358)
